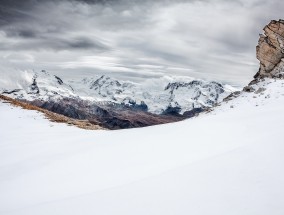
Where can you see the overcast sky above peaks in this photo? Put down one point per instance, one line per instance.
(134, 39)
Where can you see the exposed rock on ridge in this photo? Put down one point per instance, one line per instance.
(270, 50)
(270, 53)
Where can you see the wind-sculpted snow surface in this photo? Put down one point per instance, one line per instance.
(228, 161)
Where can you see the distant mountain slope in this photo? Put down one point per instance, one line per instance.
(184, 95)
(114, 104)
(85, 124)
(40, 85)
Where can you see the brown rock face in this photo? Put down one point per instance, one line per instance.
(270, 49)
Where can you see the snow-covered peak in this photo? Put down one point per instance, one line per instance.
(158, 98)
(186, 95)
(107, 86)
(48, 82)
(104, 81)
(195, 94)
(40, 85)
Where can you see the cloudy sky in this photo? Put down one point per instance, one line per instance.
(134, 39)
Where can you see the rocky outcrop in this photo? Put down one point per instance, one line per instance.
(270, 53)
(52, 116)
(270, 50)
(33, 88)
(108, 115)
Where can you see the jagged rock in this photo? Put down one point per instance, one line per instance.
(253, 82)
(133, 104)
(194, 112)
(260, 90)
(173, 111)
(270, 53)
(232, 96)
(33, 88)
(59, 80)
(270, 49)
(11, 91)
(248, 89)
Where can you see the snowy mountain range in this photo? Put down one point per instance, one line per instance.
(176, 97)
(184, 96)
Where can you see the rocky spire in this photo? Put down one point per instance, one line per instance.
(270, 50)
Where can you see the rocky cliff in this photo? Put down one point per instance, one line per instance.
(270, 53)
(270, 50)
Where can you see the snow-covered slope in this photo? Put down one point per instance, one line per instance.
(228, 161)
(182, 95)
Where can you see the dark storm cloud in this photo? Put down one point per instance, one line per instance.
(28, 26)
(18, 10)
(97, 1)
(22, 33)
(13, 10)
(57, 44)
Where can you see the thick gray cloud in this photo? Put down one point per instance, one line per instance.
(133, 39)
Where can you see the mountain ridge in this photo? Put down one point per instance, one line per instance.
(116, 104)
